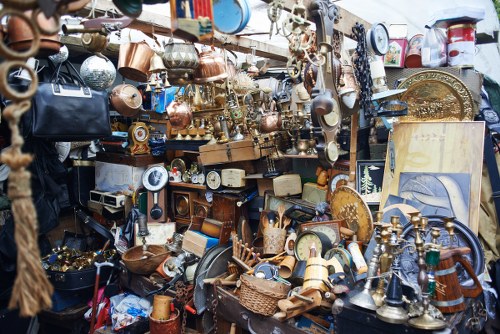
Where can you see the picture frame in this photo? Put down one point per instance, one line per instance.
(192, 20)
(369, 180)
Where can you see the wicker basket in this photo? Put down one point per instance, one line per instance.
(261, 296)
(133, 259)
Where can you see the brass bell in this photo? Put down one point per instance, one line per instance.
(152, 81)
(148, 88)
(156, 64)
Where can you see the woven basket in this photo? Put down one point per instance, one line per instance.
(134, 261)
(261, 296)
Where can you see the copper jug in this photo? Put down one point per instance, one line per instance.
(450, 294)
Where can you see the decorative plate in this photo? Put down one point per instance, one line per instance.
(465, 238)
(346, 203)
(436, 96)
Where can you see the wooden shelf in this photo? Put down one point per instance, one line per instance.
(296, 156)
(187, 185)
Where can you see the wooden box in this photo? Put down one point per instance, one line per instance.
(229, 152)
(197, 243)
(127, 159)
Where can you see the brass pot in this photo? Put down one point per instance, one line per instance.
(95, 42)
(134, 60)
(126, 99)
(181, 59)
(211, 68)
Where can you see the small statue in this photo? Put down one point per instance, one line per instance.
(321, 212)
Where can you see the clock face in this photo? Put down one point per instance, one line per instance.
(209, 196)
(332, 118)
(194, 178)
(140, 133)
(338, 180)
(303, 245)
(328, 231)
(201, 178)
(155, 178)
(213, 180)
(379, 39)
(332, 152)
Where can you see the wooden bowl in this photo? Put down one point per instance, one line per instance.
(135, 261)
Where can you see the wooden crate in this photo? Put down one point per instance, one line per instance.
(229, 152)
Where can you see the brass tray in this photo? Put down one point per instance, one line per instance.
(436, 96)
(346, 203)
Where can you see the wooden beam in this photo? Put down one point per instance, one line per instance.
(346, 22)
(161, 24)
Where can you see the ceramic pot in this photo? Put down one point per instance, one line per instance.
(134, 60)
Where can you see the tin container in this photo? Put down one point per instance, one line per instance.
(414, 55)
(461, 45)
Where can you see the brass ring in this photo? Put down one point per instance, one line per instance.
(20, 4)
(11, 93)
(49, 32)
(7, 52)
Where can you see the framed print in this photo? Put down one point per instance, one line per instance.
(369, 179)
(192, 20)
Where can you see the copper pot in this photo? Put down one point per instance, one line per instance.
(179, 114)
(21, 36)
(211, 68)
(270, 122)
(126, 99)
(134, 60)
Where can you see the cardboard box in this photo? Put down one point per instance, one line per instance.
(197, 242)
(118, 178)
(233, 151)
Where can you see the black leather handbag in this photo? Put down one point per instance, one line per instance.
(68, 110)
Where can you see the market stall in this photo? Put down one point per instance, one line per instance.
(245, 166)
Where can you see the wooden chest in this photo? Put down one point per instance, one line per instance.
(127, 159)
(229, 152)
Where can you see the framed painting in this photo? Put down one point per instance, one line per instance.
(369, 179)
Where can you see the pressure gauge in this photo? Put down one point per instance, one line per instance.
(155, 178)
(378, 39)
(201, 178)
(306, 239)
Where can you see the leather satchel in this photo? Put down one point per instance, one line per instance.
(68, 110)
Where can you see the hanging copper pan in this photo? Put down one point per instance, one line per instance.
(134, 60)
(126, 99)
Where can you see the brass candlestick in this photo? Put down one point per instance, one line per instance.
(449, 225)
(384, 264)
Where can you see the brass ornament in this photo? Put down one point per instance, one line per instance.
(434, 95)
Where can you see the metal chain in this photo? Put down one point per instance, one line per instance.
(362, 70)
(215, 304)
(181, 295)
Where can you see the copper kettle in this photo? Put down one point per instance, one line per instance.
(179, 114)
(126, 99)
(212, 67)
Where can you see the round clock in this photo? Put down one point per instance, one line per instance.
(332, 118)
(306, 239)
(182, 205)
(213, 180)
(338, 180)
(140, 133)
(329, 232)
(332, 152)
(201, 178)
(378, 39)
(194, 178)
(155, 178)
(209, 196)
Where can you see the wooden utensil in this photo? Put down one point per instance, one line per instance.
(300, 303)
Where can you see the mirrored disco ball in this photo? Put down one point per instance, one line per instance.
(98, 73)
(61, 56)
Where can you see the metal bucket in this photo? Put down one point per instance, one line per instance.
(170, 326)
(134, 60)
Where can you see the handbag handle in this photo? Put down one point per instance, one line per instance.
(56, 77)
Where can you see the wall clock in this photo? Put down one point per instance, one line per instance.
(138, 133)
(154, 179)
(378, 39)
(330, 228)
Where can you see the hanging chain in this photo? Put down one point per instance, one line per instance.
(215, 304)
(362, 70)
(181, 295)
